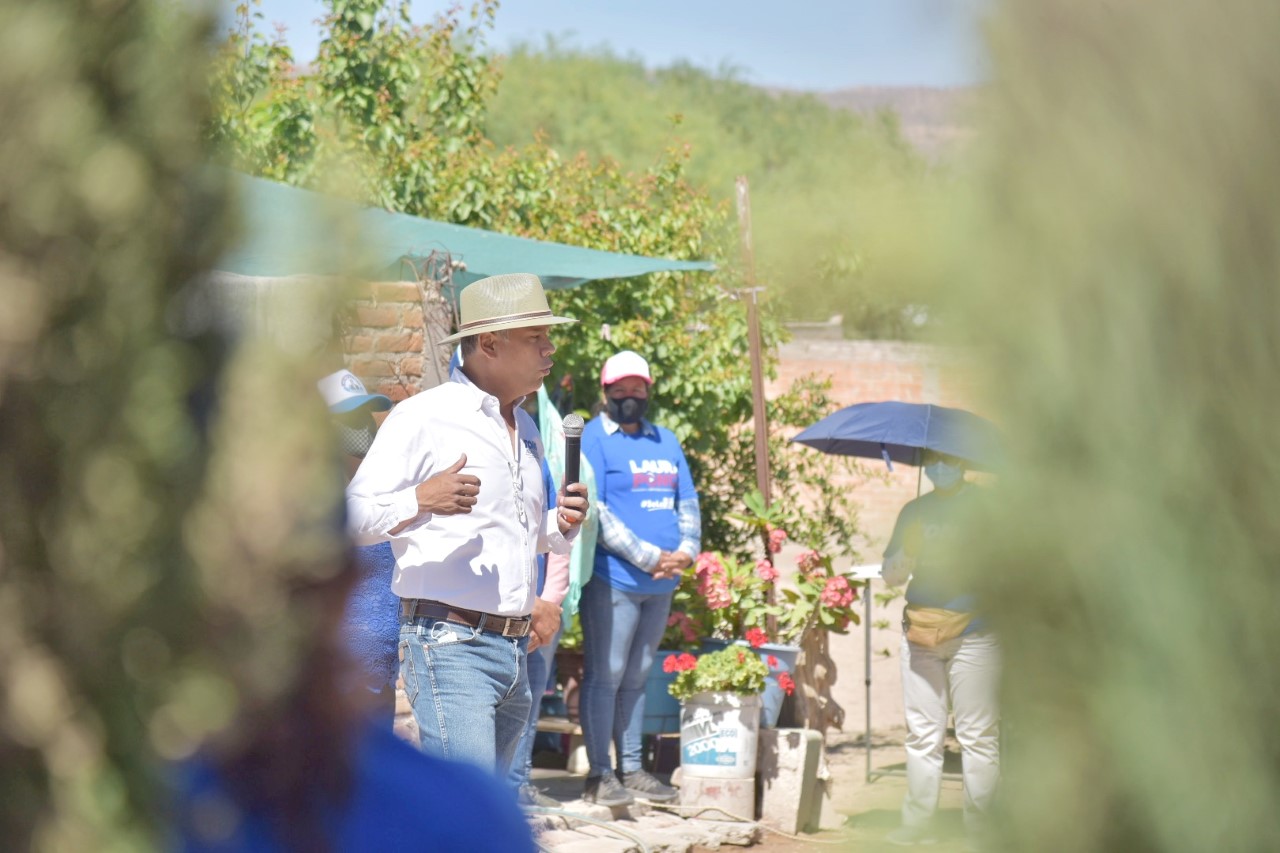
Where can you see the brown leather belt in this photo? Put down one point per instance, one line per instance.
(507, 626)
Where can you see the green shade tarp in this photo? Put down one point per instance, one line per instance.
(289, 231)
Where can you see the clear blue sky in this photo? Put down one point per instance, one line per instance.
(804, 44)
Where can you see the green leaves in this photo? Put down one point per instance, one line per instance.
(736, 669)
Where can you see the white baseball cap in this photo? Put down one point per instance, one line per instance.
(622, 365)
(344, 392)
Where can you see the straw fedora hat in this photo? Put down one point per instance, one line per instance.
(512, 301)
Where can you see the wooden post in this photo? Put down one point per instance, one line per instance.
(752, 293)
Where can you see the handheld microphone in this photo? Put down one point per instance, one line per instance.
(573, 425)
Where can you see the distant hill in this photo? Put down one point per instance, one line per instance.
(934, 121)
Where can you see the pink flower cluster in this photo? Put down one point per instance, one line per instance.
(713, 581)
(808, 560)
(679, 663)
(765, 571)
(837, 592)
(776, 537)
(687, 629)
(756, 637)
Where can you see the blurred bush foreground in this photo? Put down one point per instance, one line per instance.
(1122, 271)
(1116, 255)
(152, 521)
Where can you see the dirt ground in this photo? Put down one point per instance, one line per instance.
(870, 809)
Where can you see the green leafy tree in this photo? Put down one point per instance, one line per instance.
(407, 106)
(820, 177)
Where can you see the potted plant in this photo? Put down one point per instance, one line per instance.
(729, 601)
(719, 695)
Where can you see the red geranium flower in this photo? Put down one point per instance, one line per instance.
(756, 637)
(772, 661)
(787, 683)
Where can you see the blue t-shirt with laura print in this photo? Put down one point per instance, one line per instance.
(641, 478)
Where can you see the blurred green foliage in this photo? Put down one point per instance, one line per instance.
(103, 220)
(151, 516)
(818, 174)
(1119, 261)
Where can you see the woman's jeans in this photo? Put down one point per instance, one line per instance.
(469, 690)
(620, 636)
(965, 674)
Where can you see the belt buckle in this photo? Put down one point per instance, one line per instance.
(507, 630)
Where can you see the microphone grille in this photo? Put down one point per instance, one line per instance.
(573, 424)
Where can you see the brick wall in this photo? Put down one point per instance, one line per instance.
(390, 341)
(872, 371)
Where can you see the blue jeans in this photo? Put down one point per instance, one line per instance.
(469, 690)
(539, 664)
(620, 636)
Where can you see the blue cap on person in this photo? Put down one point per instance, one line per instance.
(344, 392)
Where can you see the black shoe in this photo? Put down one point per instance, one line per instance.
(606, 790)
(528, 795)
(644, 785)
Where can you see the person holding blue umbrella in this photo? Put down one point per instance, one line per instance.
(949, 656)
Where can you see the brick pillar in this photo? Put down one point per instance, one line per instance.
(392, 333)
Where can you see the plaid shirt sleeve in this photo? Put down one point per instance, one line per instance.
(619, 540)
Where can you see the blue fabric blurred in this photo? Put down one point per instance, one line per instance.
(371, 625)
(400, 799)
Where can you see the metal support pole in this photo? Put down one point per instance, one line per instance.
(866, 624)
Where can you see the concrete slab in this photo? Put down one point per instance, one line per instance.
(788, 763)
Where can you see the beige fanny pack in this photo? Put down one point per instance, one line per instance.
(933, 626)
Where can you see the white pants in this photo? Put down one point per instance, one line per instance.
(966, 671)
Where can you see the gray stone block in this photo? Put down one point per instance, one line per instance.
(660, 819)
(788, 762)
(719, 832)
(587, 844)
(670, 840)
(718, 799)
(597, 812)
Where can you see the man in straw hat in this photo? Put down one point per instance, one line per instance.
(454, 480)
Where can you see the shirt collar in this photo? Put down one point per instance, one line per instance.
(611, 426)
(481, 396)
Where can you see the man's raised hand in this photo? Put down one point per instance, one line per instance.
(450, 492)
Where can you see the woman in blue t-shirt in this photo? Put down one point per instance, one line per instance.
(650, 532)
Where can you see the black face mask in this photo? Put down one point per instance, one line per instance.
(626, 410)
(355, 432)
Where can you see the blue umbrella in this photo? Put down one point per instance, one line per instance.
(900, 432)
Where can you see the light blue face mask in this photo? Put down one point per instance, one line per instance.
(942, 475)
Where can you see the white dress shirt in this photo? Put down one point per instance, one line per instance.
(483, 560)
